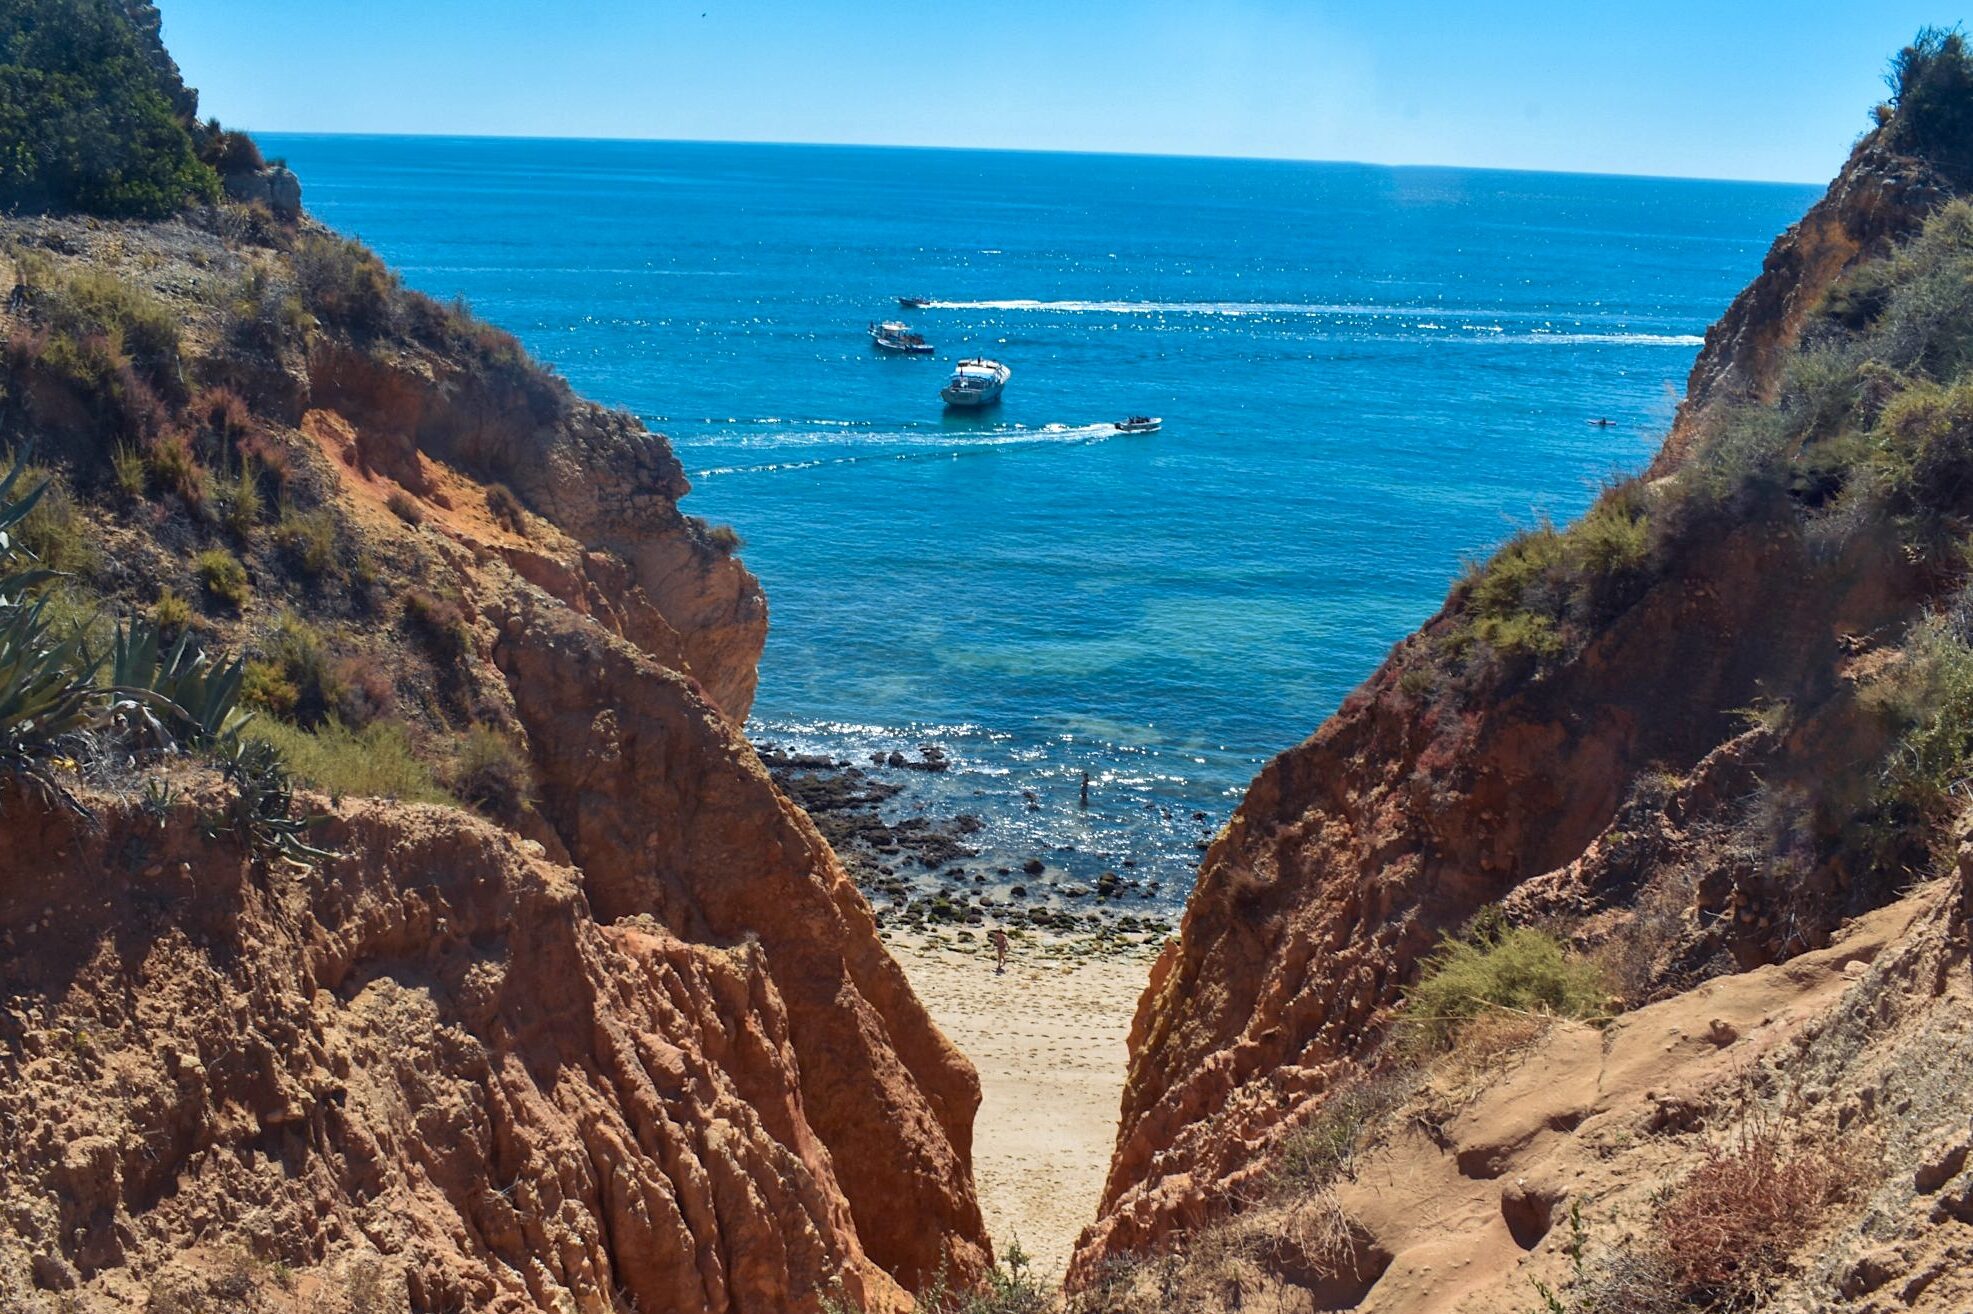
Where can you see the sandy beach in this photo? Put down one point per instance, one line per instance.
(1048, 1039)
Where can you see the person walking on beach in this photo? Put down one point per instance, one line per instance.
(999, 939)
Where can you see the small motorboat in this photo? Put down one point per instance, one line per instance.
(913, 303)
(1602, 422)
(1139, 424)
(895, 337)
(976, 382)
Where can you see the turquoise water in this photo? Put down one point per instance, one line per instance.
(1365, 375)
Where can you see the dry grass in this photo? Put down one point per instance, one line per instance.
(1481, 1051)
(1730, 1229)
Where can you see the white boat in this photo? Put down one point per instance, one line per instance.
(1139, 424)
(893, 336)
(976, 383)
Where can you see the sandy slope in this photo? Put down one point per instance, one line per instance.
(1049, 1041)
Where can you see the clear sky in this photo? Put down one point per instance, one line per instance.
(1758, 89)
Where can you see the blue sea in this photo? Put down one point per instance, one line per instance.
(1366, 375)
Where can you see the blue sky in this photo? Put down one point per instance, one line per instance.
(1727, 89)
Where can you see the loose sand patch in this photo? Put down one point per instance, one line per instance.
(1049, 1041)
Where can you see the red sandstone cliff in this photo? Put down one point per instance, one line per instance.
(1569, 785)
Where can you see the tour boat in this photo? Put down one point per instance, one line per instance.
(893, 336)
(976, 383)
(1139, 424)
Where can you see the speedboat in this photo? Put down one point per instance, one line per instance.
(893, 336)
(913, 303)
(1139, 424)
(976, 383)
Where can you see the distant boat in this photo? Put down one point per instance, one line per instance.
(913, 303)
(1603, 422)
(1139, 424)
(895, 337)
(976, 383)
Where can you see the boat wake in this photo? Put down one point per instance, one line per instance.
(1519, 329)
(920, 446)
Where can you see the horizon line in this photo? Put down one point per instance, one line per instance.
(1029, 150)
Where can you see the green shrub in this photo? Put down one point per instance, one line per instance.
(92, 112)
(441, 622)
(265, 684)
(223, 577)
(1614, 537)
(240, 502)
(377, 761)
(1517, 968)
(344, 284)
(1519, 634)
(405, 507)
(96, 302)
(229, 152)
(492, 773)
(1931, 83)
(309, 539)
(133, 476)
(1925, 445)
(1927, 702)
(174, 468)
(261, 315)
(506, 509)
(54, 532)
(298, 674)
(171, 613)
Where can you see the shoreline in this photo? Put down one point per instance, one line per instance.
(1049, 1039)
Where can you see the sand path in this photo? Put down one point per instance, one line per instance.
(1048, 1039)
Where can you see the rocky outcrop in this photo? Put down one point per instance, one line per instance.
(276, 187)
(597, 475)
(424, 1067)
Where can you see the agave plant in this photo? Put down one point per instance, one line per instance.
(262, 811)
(48, 692)
(15, 581)
(48, 689)
(191, 694)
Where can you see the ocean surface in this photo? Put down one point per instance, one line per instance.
(1366, 375)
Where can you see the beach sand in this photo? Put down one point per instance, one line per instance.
(1048, 1039)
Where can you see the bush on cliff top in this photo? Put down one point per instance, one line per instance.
(1931, 84)
(93, 116)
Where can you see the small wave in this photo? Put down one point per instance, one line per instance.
(1594, 339)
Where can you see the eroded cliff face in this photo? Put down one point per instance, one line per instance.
(1617, 768)
(638, 1047)
(422, 1069)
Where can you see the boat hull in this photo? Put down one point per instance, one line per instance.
(976, 383)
